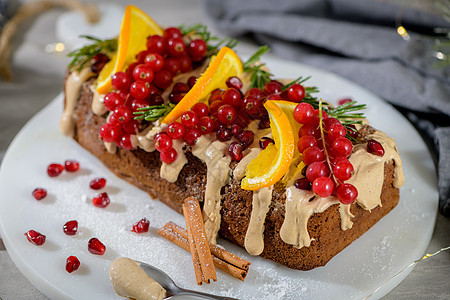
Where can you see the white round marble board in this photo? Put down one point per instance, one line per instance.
(393, 243)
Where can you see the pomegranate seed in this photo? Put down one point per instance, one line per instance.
(346, 193)
(351, 131)
(141, 226)
(344, 100)
(215, 95)
(169, 156)
(375, 147)
(98, 62)
(246, 138)
(252, 105)
(96, 247)
(97, 183)
(54, 170)
(265, 141)
(235, 151)
(236, 129)
(303, 184)
(224, 134)
(101, 200)
(214, 107)
(191, 81)
(35, 237)
(234, 82)
(71, 227)
(175, 98)
(71, 165)
(39, 193)
(72, 264)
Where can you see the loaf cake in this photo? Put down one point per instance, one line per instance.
(289, 218)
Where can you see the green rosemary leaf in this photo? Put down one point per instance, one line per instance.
(83, 55)
(259, 76)
(154, 112)
(299, 80)
(347, 113)
(255, 57)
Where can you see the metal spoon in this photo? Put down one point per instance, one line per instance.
(171, 288)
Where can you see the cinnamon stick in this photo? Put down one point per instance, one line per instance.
(197, 241)
(175, 237)
(215, 250)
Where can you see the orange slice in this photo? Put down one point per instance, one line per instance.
(274, 161)
(136, 26)
(224, 65)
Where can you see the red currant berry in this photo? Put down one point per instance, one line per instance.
(306, 141)
(71, 165)
(226, 114)
(343, 170)
(136, 104)
(154, 61)
(172, 32)
(110, 133)
(215, 95)
(175, 98)
(35, 237)
(197, 49)
(101, 200)
(346, 193)
(311, 130)
(97, 183)
(168, 156)
(312, 154)
(112, 100)
(172, 65)
(206, 125)
(201, 109)
(141, 226)
(140, 89)
(252, 105)
(232, 97)
(316, 170)
(96, 247)
(191, 135)
(71, 227)
(255, 92)
(323, 186)
(304, 113)
(235, 151)
(163, 142)
(342, 147)
(375, 147)
(122, 114)
(296, 92)
(175, 130)
(54, 170)
(272, 87)
(163, 79)
(189, 119)
(175, 46)
(156, 44)
(234, 82)
(143, 72)
(336, 130)
(72, 264)
(125, 142)
(39, 193)
(185, 63)
(121, 81)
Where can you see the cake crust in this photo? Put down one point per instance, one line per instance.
(142, 169)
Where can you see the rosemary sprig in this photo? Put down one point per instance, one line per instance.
(213, 43)
(260, 77)
(83, 55)
(154, 112)
(347, 113)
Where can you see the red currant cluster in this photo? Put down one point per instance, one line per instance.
(324, 149)
(145, 79)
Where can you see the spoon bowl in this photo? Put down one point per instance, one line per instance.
(171, 288)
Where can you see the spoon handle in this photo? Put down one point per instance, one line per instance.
(202, 295)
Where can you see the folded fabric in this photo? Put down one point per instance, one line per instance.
(357, 39)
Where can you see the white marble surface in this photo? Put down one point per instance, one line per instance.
(38, 79)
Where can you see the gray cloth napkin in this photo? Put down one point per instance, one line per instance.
(357, 39)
